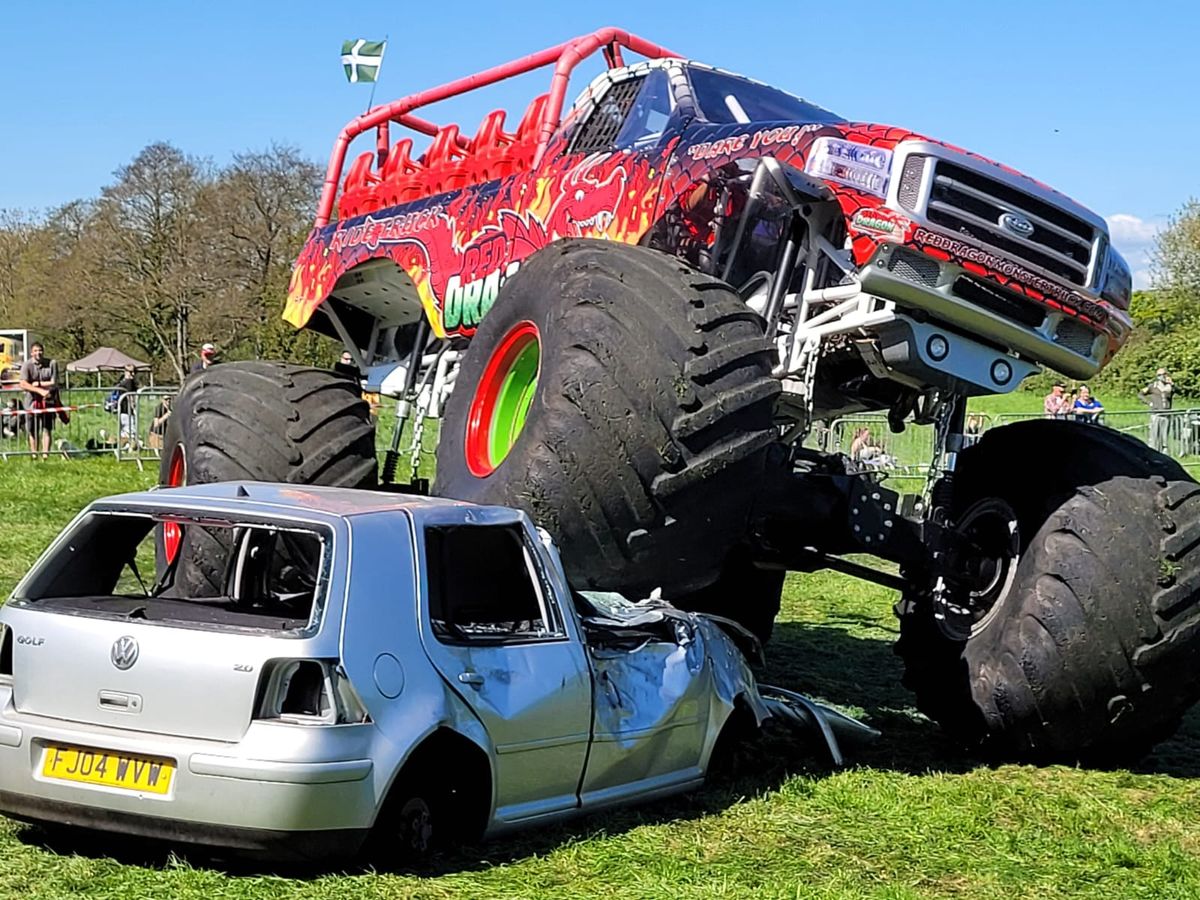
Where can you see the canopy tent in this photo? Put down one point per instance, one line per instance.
(107, 359)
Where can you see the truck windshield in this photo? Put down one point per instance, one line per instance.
(761, 103)
(232, 574)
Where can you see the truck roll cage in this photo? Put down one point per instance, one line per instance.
(565, 57)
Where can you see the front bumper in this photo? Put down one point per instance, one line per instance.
(918, 282)
(287, 791)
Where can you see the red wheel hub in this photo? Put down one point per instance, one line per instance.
(502, 399)
(176, 476)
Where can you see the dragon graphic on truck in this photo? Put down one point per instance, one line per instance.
(458, 254)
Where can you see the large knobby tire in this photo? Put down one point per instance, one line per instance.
(262, 421)
(1092, 651)
(640, 439)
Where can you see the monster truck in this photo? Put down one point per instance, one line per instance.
(646, 304)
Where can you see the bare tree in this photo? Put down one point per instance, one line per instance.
(147, 248)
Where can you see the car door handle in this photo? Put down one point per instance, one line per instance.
(472, 678)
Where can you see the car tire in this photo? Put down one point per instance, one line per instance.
(261, 421)
(640, 438)
(1090, 653)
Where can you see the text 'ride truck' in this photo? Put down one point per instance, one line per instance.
(629, 314)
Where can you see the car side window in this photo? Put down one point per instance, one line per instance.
(485, 586)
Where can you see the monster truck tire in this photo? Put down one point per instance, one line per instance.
(1093, 652)
(261, 421)
(646, 434)
(743, 592)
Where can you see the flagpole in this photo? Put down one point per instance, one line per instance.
(378, 72)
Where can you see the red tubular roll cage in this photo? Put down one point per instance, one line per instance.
(565, 57)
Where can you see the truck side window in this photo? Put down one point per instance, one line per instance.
(651, 111)
(599, 132)
(483, 586)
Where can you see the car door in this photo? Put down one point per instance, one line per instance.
(652, 704)
(492, 626)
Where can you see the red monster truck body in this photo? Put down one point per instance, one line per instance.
(933, 228)
(629, 317)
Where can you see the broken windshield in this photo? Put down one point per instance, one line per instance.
(219, 573)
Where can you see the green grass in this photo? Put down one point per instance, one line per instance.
(910, 818)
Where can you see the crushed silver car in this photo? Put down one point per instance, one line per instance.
(346, 664)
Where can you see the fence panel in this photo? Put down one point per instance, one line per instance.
(143, 423)
(86, 421)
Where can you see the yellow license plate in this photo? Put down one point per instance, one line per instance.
(88, 765)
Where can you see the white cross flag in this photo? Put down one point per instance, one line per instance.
(362, 59)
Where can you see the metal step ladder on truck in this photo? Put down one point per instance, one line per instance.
(628, 314)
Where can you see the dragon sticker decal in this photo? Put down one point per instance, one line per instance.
(458, 252)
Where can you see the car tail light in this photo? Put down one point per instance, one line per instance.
(308, 692)
(6, 653)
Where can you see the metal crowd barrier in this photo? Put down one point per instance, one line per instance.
(908, 454)
(95, 426)
(87, 424)
(143, 424)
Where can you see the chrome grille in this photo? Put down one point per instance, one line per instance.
(970, 203)
(910, 182)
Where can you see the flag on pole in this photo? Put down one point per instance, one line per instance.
(362, 59)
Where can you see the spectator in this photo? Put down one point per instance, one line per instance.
(14, 419)
(1159, 394)
(1087, 408)
(1055, 404)
(346, 367)
(128, 382)
(864, 450)
(126, 403)
(39, 380)
(208, 357)
(973, 430)
(158, 424)
(862, 437)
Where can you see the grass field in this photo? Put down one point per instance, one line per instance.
(909, 818)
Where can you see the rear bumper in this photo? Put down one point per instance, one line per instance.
(291, 846)
(281, 792)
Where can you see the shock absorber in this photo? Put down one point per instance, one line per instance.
(391, 459)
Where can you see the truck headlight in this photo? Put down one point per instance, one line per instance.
(854, 165)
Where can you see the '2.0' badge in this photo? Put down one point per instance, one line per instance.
(124, 652)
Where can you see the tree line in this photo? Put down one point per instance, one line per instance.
(1166, 318)
(175, 252)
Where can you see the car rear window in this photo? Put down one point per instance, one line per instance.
(224, 574)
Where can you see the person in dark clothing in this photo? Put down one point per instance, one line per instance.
(346, 367)
(128, 383)
(208, 357)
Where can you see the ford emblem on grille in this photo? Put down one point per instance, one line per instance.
(124, 652)
(1016, 224)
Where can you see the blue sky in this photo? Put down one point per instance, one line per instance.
(1097, 99)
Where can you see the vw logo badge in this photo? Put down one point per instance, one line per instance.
(124, 652)
(1016, 224)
